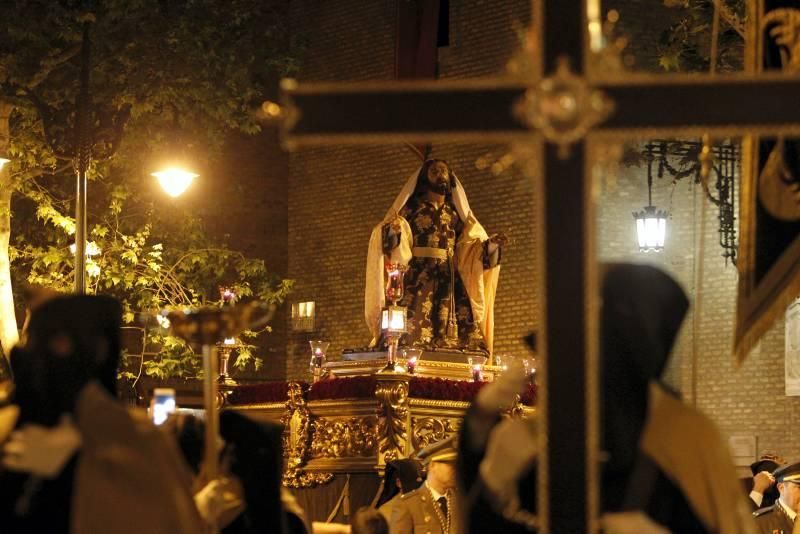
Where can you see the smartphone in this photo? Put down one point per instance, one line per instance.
(162, 405)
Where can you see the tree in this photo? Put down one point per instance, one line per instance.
(166, 77)
(686, 44)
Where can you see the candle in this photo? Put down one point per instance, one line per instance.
(477, 375)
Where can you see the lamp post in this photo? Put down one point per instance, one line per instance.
(82, 160)
(91, 139)
(94, 136)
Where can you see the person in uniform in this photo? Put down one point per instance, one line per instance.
(761, 486)
(433, 507)
(780, 517)
(401, 476)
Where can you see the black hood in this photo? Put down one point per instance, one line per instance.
(642, 311)
(256, 456)
(72, 340)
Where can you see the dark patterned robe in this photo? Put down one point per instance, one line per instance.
(428, 280)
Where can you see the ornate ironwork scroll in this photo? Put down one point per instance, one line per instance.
(679, 159)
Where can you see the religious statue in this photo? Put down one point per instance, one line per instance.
(452, 265)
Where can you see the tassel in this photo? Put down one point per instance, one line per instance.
(452, 329)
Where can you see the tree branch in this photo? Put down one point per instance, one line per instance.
(731, 18)
(45, 115)
(49, 64)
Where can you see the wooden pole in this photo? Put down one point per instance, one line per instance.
(211, 452)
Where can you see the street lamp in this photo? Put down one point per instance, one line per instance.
(175, 180)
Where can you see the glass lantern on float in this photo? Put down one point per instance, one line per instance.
(393, 317)
(225, 350)
(502, 361)
(318, 349)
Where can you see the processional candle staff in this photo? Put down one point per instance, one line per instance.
(206, 327)
(229, 344)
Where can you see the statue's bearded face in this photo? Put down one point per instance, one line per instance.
(439, 177)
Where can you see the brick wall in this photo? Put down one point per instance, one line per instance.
(249, 212)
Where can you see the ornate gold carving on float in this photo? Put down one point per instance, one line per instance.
(343, 434)
(429, 430)
(343, 438)
(298, 429)
(392, 394)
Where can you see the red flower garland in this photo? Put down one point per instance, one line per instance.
(259, 393)
(363, 387)
(355, 387)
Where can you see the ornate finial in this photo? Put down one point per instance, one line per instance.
(563, 107)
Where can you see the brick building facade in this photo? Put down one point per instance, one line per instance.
(335, 195)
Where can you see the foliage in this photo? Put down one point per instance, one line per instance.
(686, 45)
(174, 77)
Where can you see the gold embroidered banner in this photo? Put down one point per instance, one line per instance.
(769, 251)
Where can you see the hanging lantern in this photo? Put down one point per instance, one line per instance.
(651, 229)
(651, 223)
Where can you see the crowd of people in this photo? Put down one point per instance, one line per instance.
(74, 459)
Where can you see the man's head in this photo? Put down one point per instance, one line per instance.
(437, 173)
(788, 482)
(442, 466)
(442, 476)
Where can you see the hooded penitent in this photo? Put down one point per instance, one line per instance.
(125, 476)
(663, 457)
(642, 311)
(255, 454)
(71, 341)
